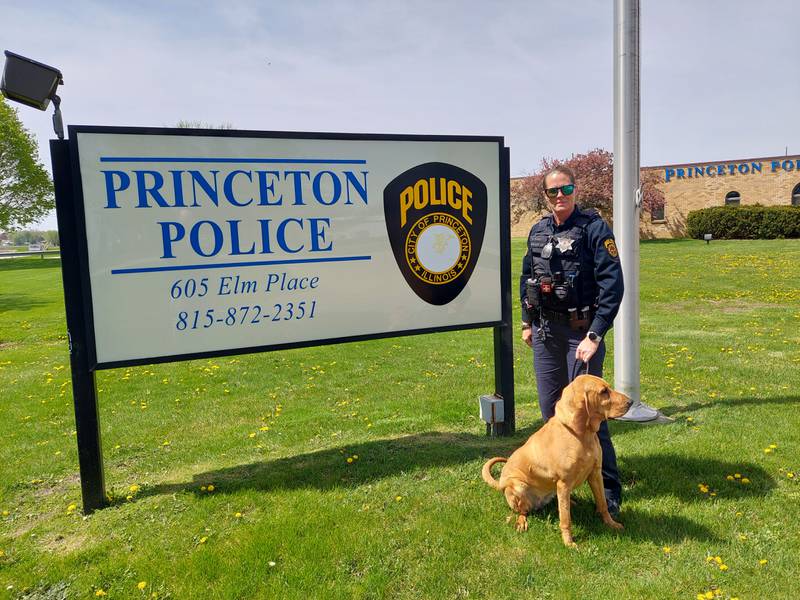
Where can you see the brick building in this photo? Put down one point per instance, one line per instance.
(769, 181)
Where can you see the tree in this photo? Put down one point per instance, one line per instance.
(193, 124)
(26, 191)
(595, 174)
(51, 237)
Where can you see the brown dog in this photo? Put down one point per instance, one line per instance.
(563, 454)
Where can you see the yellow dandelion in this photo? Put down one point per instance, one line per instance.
(264, 428)
(72, 507)
(666, 549)
(701, 596)
(141, 585)
(690, 419)
(272, 563)
(128, 497)
(398, 498)
(251, 435)
(238, 515)
(134, 488)
(355, 456)
(729, 478)
(5, 513)
(738, 514)
(737, 475)
(773, 446)
(762, 562)
(204, 539)
(349, 460)
(709, 595)
(742, 537)
(723, 567)
(100, 592)
(745, 480)
(2, 553)
(767, 450)
(210, 487)
(790, 475)
(166, 443)
(203, 488)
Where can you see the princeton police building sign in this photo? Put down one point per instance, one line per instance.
(180, 244)
(202, 243)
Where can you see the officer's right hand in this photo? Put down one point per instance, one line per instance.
(527, 336)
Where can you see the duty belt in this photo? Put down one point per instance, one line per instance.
(572, 317)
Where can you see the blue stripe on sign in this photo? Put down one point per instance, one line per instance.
(242, 264)
(203, 159)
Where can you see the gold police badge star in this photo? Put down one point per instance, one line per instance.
(611, 248)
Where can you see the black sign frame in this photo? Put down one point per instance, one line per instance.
(78, 300)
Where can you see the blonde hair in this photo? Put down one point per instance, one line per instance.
(563, 169)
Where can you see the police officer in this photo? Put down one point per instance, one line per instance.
(571, 288)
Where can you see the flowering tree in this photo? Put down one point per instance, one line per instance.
(594, 172)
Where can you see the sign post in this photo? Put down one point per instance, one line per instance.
(84, 388)
(504, 334)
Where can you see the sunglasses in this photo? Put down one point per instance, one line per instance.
(565, 189)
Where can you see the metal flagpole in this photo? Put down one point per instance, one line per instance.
(627, 202)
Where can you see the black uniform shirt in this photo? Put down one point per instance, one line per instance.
(600, 250)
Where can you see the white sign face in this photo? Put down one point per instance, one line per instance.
(199, 244)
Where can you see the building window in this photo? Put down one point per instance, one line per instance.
(732, 199)
(796, 195)
(657, 214)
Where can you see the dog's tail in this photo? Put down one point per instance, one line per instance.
(487, 471)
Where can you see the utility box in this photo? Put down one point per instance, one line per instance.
(491, 412)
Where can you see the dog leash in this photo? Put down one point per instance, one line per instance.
(578, 371)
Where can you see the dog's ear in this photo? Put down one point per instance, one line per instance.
(571, 409)
(593, 401)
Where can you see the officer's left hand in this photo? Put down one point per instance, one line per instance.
(586, 349)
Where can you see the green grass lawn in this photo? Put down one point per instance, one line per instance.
(353, 471)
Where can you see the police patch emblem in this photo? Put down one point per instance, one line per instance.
(436, 218)
(611, 248)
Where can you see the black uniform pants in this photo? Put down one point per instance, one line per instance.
(555, 366)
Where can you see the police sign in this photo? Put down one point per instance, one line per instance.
(218, 242)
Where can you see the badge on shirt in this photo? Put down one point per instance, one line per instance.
(564, 244)
(611, 248)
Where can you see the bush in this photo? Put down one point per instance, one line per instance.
(745, 222)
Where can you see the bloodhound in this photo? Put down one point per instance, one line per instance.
(561, 455)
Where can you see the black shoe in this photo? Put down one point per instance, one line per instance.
(613, 506)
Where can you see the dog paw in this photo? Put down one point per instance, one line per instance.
(614, 525)
(522, 523)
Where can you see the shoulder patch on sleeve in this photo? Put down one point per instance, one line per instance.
(611, 248)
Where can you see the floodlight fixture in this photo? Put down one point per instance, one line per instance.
(34, 84)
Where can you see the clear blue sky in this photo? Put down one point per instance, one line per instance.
(719, 78)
